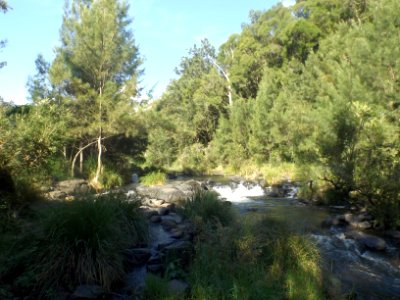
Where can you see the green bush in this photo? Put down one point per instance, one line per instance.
(154, 178)
(204, 208)
(84, 239)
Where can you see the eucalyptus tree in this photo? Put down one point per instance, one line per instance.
(96, 70)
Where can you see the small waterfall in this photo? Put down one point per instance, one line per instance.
(239, 192)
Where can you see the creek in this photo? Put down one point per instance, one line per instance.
(351, 267)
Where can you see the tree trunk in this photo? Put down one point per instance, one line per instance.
(81, 161)
(99, 161)
(99, 143)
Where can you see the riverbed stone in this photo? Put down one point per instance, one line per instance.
(176, 233)
(168, 224)
(163, 211)
(155, 219)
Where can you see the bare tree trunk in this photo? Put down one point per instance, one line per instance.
(99, 161)
(99, 139)
(81, 160)
(226, 76)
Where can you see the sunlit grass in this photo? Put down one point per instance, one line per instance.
(154, 178)
(256, 259)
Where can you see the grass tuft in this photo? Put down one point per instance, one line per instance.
(154, 178)
(204, 208)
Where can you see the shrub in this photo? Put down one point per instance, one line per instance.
(154, 178)
(83, 240)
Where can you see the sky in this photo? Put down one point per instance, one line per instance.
(164, 30)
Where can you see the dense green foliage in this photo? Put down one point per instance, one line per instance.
(314, 85)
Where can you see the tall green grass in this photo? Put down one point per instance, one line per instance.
(154, 178)
(72, 243)
(84, 239)
(256, 259)
(204, 208)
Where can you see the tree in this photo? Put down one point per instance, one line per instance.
(3, 7)
(39, 86)
(96, 69)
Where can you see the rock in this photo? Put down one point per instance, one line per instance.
(189, 187)
(168, 224)
(155, 219)
(87, 292)
(334, 221)
(163, 211)
(177, 287)
(176, 233)
(157, 203)
(131, 194)
(361, 225)
(73, 186)
(167, 193)
(174, 217)
(137, 256)
(56, 195)
(70, 198)
(349, 217)
(369, 241)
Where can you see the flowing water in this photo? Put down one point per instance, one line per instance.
(351, 268)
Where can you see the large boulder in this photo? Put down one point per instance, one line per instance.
(167, 193)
